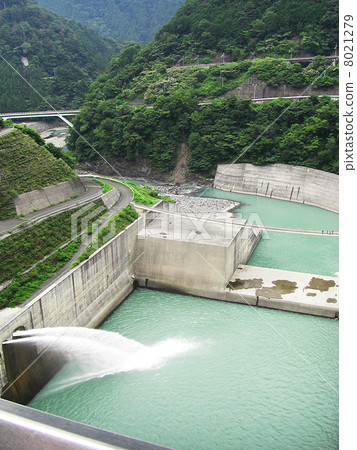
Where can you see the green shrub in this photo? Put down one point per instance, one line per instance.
(23, 249)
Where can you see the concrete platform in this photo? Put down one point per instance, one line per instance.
(288, 291)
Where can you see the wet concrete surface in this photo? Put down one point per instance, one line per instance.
(289, 291)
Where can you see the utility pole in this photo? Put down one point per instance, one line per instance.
(222, 57)
(291, 53)
(336, 49)
(253, 55)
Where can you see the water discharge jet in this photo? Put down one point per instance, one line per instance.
(37, 355)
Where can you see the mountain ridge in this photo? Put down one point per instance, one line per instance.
(124, 20)
(59, 58)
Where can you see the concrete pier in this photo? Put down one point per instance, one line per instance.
(288, 291)
(191, 255)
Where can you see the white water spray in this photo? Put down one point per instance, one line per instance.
(98, 353)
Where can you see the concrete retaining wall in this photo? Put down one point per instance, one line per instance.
(255, 88)
(86, 295)
(294, 183)
(110, 198)
(51, 195)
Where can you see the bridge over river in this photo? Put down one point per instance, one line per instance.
(62, 114)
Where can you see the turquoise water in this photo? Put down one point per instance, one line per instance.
(138, 182)
(253, 378)
(246, 378)
(297, 252)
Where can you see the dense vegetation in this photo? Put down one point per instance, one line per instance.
(210, 81)
(22, 249)
(305, 135)
(24, 286)
(57, 152)
(125, 20)
(240, 27)
(56, 56)
(199, 32)
(25, 166)
(27, 248)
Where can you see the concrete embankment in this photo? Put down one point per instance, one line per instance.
(281, 181)
(83, 297)
(211, 265)
(183, 253)
(51, 195)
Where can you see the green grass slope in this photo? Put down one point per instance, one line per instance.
(26, 166)
(32, 255)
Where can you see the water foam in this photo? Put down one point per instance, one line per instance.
(98, 353)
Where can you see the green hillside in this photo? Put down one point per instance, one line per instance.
(240, 27)
(58, 57)
(219, 132)
(125, 20)
(25, 166)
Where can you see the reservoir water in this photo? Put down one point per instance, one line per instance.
(225, 376)
(296, 252)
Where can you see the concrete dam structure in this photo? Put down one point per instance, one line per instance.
(166, 250)
(281, 181)
(89, 293)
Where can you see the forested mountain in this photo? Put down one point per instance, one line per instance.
(125, 20)
(239, 27)
(58, 57)
(176, 130)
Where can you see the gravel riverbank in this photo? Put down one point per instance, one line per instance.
(214, 207)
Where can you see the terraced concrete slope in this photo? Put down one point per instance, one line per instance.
(26, 166)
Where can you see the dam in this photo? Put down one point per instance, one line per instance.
(244, 339)
(244, 376)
